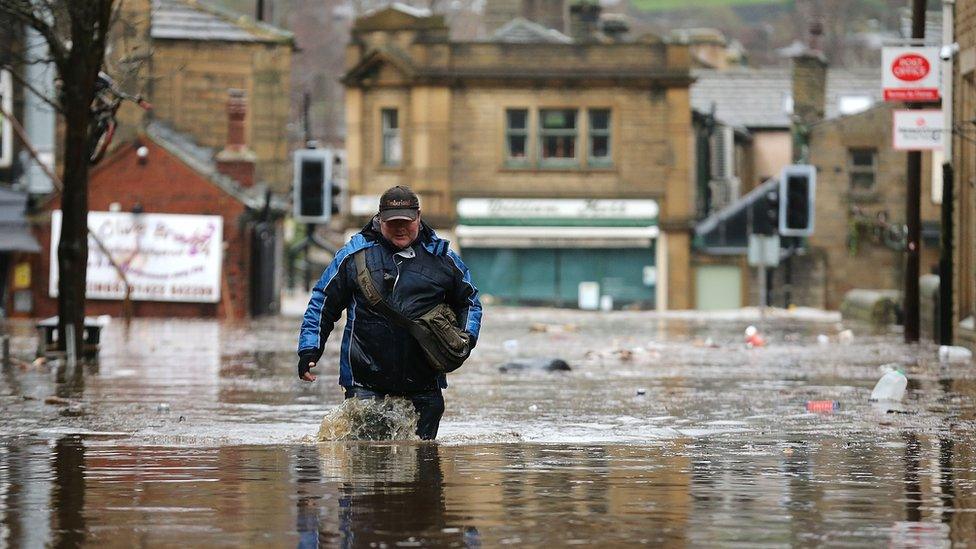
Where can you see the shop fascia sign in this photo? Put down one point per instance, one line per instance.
(911, 73)
(532, 211)
(918, 130)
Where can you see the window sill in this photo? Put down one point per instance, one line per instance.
(557, 169)
(863, 197)
(389, 168)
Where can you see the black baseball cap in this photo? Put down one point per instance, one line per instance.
(399, 203)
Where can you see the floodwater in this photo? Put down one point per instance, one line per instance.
(668, 430)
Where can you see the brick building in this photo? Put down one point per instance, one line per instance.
(163, 194)
(964, 163)
(554, 161)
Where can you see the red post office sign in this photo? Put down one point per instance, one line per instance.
(911, 74)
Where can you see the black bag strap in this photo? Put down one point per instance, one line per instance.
(374, 297)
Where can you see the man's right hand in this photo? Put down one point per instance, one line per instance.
(305, 362)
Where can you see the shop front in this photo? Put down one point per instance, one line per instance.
(563, 252)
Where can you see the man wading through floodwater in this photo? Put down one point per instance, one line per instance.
(412, 312)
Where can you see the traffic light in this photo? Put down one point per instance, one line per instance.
(797, 190)
(765, 213)
(312, 192)
(335, 190)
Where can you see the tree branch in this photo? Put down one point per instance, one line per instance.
(23, 82)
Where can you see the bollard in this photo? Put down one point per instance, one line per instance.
(5, 349)
(69, 345)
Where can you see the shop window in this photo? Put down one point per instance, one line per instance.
(862, 167)
(599, 154)
(516, 137)
(392, 145)
(557, 136)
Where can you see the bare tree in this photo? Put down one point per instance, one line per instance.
(76, 34)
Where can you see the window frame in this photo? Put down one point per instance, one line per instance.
(591, 132)
(860, 169)
(525, 132)
(387, 133)
(558, 162)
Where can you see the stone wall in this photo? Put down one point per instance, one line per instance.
(866, 264)
(964, 161)
(189, 92)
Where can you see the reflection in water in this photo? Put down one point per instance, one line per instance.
(69, 492)
(716, 450)
(387, 493)
(913, 489)
(703, 492)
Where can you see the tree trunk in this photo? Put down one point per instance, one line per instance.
(73, 246)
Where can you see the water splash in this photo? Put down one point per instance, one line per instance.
(390, 418)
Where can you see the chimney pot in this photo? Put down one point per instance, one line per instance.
(236, 160)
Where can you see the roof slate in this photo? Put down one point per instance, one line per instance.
(201, 160)
(756, 98)
(196, 20)
(521, 30)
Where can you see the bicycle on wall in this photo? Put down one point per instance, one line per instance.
(108, 99)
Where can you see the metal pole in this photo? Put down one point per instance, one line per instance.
(913, 198)
(310, 230)
(306, 118)
(763, 297)
(946, 281)
(945, 259)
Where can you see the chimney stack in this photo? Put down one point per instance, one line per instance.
(236, 160)
(584, 16)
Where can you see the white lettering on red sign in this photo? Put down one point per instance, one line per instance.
(910, 67)
(911, 74)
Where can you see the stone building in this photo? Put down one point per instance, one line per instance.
(553, 161)
(750, 122)
(964, 163)
(860, 209)
(195, 53)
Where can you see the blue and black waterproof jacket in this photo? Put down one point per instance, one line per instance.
(376, 353)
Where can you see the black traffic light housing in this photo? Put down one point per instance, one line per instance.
(314, 193)
(335, 191)
(797, 192)
(765, 213)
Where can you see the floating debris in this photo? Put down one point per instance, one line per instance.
(540, 364)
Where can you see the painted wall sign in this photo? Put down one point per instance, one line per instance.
(166, 257)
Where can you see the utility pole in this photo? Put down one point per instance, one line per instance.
(913, 199)
(945, 253)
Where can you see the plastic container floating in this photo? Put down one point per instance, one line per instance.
(954, 354)
(891, 387)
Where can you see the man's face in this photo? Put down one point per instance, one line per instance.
(401, 232)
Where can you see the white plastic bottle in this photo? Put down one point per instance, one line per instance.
(891, 387)
(951, 354)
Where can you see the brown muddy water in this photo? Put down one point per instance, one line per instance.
(666, 431)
